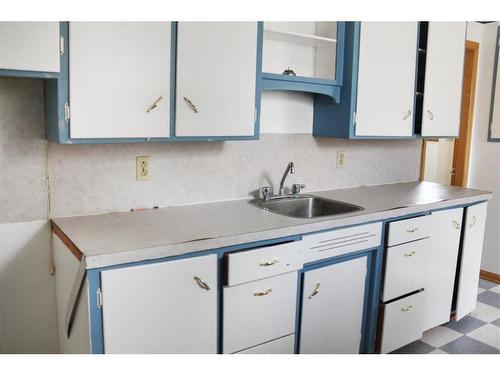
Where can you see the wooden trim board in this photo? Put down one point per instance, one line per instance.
(66, 240)
(490, 276)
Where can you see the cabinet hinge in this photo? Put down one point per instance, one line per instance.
(61, 45)
(354, 118)
(67, 112)
(99, 298)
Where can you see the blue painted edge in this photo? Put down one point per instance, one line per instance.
(96, 332)
(27, 74)
(258, 89)
(493, 93)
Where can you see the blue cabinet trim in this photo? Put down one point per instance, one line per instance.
(493, 93)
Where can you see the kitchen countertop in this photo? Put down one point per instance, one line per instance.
(124, 237)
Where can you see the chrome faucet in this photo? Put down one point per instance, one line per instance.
(289, 168)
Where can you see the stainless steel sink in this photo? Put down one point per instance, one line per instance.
(304, 206)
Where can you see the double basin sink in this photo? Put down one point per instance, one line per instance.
(304, 206)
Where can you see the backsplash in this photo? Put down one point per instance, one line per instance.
(88, 179)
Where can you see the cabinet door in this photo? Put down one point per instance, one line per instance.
(442, 256)
(118, 72)
(386, 79)
(216, 70)
(332, 308)
(161, 307)
(470, 261)
(443, 79)
(32, 46)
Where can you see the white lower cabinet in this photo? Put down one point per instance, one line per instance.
(446, 226)
(168, 307)
(470, 262)
(259, 311)
(402, 322)
(283, 345)
(332, 308)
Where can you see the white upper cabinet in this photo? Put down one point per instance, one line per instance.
(386, 79)
(30, 46)
(470, 261)
(119, 76)
(216, 77)
(443, 79)
(166, 308)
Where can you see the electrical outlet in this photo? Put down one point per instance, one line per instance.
(340, 159)
(142, 168)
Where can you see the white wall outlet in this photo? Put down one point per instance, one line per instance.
(340, 159)
(142, 168)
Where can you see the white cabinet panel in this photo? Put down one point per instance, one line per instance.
(284, 345)
(443, 79)
(118, 70)
(407, 230)
(446, 226)
(470, 262)
(260, 311)
(386, 79)
(32, 46)
(216, 73)
(332, 308)
(161, 308)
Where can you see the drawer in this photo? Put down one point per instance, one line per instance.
(405, 268)
(255, 264)
(402, 322)
(341, 241)
(408, 230)
(259, 311)
(284, 345)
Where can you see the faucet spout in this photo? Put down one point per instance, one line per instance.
(290, 168)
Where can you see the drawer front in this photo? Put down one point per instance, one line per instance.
(341, 241)
(256, 264)
(405, 268)
(408, 230)
(284, 345)
(258, 312)
(402, 323)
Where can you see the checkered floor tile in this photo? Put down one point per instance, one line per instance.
(476, 333)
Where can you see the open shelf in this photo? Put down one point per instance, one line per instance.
(298, 38)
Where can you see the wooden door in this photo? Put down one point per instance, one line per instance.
(386, 79)
(470, 262)
(161, 307)
(216, 77)
(443, 79)
(332, 308)
(119, 79)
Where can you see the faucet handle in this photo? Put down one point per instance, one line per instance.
(266, 192)
(296, 188)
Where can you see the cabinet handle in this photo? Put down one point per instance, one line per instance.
(407, 115)
(315, 291)
(407, 308)
(202, 284)
(412, 230)
(272, 262)
(191, 104)
(410, 254)
(456, 225)
(473, 221)
(431, 115)
(155, 104)
(263, 293)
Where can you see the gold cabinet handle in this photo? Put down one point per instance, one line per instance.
(410, 254)
(412, 230)
(271, 263)
(456, 225)
(473, 221)
(431, 115)
(407, 308)
(155, 104)
(263, 293)
(407, 114)
(191, 104)
(202, 284)
(315, 291)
